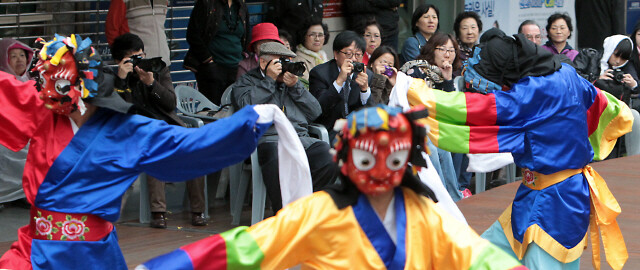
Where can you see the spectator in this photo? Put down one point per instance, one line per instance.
(337, 87)
(436, 64)
(559, 29)
(618, 76)
(153, 96)
(144, 18)
(383, 57)
(531, 30)
(616, 55)
(635, 60)
(261, 33)
(385, 12)
(286, 38)
(289, 14)
(309, 51)
(467, 27)
(217, 33)
(268, 84)
(442, 50)
(424, 23)
(371, 34)
(15, 58)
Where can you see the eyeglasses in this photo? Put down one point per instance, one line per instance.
(315, 35)
(350, 54)
(374, 36)
(443, 50)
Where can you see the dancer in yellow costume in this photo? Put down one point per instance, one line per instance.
(381, 217)
(554, 123)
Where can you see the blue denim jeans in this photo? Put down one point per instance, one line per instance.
(460, 163)
(443, 164)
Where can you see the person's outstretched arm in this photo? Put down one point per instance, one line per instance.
(21, 111)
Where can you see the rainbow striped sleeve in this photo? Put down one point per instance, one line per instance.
(278, 242)
(608, 119)
(462, 122)
(235, 248)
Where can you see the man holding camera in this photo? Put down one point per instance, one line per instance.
(275, 82)
(147, 84)
(341, 85)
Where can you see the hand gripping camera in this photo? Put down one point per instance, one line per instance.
(154, 65)
(618, 75)
(296, 68)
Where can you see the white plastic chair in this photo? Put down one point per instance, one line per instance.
(481, 178)
(239, 176)
(190, 102)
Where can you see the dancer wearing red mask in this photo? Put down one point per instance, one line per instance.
(380, 217)
(86, 151)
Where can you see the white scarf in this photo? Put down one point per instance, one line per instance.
(295, 176)
(319, 57)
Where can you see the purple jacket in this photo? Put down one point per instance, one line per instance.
(568, 50)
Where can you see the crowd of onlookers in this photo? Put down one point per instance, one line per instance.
(258, 65)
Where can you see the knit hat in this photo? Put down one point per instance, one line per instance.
(264, 31)
(275, 48)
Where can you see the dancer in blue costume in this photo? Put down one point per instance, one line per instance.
(86, 151)
(554, 123)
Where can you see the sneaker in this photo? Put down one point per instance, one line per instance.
(158, 220)
(466, 193)
(198, 219)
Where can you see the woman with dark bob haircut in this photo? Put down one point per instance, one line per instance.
(467, 27)
(424, 24)
(311, 39)
(559, 29)
(383, 58)
(436, 64)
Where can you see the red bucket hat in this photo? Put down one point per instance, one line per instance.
(263, 31)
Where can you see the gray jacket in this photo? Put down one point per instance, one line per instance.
(300, 107)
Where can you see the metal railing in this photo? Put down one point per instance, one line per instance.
(27, 20)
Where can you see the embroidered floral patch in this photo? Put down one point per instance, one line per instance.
(73, 228)
(44, 226)
(529, 178)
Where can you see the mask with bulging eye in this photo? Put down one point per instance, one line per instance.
(377, 159)
(58, 84)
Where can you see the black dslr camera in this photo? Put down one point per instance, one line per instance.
(618, 75)
(296, 68)
(358, 67)
(154, 65)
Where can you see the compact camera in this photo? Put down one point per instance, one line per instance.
(388, 71)
(358, 67)
(618, 75)
(154, 65)
(296, 68)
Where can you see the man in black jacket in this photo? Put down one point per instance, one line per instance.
(339, 89)
(153, 96)
(268, 84)
(384, 11)
(289, 14)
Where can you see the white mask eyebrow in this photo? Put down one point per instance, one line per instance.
(367, 145)
(64, 74)
(400, 145)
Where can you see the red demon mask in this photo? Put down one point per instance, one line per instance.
(379, 143)
(59, 89)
